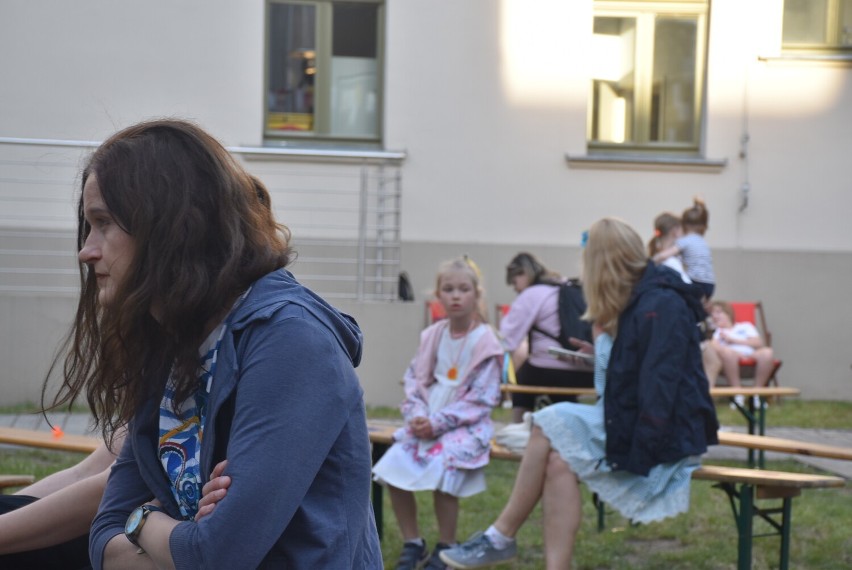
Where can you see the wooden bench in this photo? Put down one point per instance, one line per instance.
(48, 440)
(7, 481)
(44, 440)
(742, 485)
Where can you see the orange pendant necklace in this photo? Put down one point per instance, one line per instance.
(453, 372)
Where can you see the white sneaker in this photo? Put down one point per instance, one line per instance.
(737, 402)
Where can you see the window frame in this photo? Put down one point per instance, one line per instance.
(831, 46)
(320, 135)
(645, 13)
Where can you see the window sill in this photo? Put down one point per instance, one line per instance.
(319, 154)
(825, 58)
(659, 163)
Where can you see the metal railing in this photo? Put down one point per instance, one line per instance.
(342, 207)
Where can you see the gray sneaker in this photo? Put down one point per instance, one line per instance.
(478, 552)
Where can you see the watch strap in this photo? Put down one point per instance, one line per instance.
(146, 509)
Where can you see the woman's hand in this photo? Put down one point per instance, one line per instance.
(586, 348)
(422, 428)
(582, 345)
(213, 491)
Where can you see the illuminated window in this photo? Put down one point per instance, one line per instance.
(323, 71)
(817, 25)
(647, 92)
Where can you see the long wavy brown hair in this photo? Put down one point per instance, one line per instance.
(203, 232)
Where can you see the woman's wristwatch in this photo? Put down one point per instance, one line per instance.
(136, 521)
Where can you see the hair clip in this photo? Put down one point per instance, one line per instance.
(657, 233)
(472, 265)
(584, 238)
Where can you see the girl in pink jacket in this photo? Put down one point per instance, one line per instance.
(451, 386)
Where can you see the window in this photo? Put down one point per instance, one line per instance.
(323, 71)
(817, 25)
(647, 66)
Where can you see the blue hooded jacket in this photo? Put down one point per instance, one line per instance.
(657, 404)
(287, 412)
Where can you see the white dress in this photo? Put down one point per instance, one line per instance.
(421, 466)
(740, 331)
(577, 432)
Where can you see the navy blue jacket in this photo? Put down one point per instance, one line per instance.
(287, 411)
(657, 403)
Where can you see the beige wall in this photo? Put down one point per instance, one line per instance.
(486, 97)
(815, 354)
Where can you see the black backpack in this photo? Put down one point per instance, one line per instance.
(572, 305)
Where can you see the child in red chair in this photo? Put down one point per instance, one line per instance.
(732, 341)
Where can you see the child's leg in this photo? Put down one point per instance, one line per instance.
(528, 485)
(730, 364)
(405, 509)
(765, 363)
(561, 502)
(711, 361)
(447, 513)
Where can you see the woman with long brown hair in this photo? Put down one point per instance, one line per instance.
(190, 332)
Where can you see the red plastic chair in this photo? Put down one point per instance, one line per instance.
(752, 312)
(500, 311)
(434, 312)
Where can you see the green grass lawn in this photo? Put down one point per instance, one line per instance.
(703, 538)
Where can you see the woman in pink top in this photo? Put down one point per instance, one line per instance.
(534, 318)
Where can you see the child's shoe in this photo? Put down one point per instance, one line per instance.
(413, 556)
(435, 562)
(738, 402)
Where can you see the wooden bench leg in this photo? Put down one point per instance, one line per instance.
(744, 516)
(378, 492)
(785, 533)
(745, 526)
(600, 507)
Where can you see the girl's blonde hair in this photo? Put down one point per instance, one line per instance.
(613, 263)
(663, 224)
(466, 266)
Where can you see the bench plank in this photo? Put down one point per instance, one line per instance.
(47, 440)
(15, 481)
(767, 443)
(716, 392)
(761, 477)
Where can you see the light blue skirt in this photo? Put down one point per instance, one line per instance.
(577, 432)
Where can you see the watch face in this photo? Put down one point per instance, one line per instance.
(133, 520)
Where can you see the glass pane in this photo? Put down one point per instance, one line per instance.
(673, 87)
(292, 67)
(845, 36)
(613, 79)
(354, 70)
(805, 22)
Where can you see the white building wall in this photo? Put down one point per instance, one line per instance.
(487, 97)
